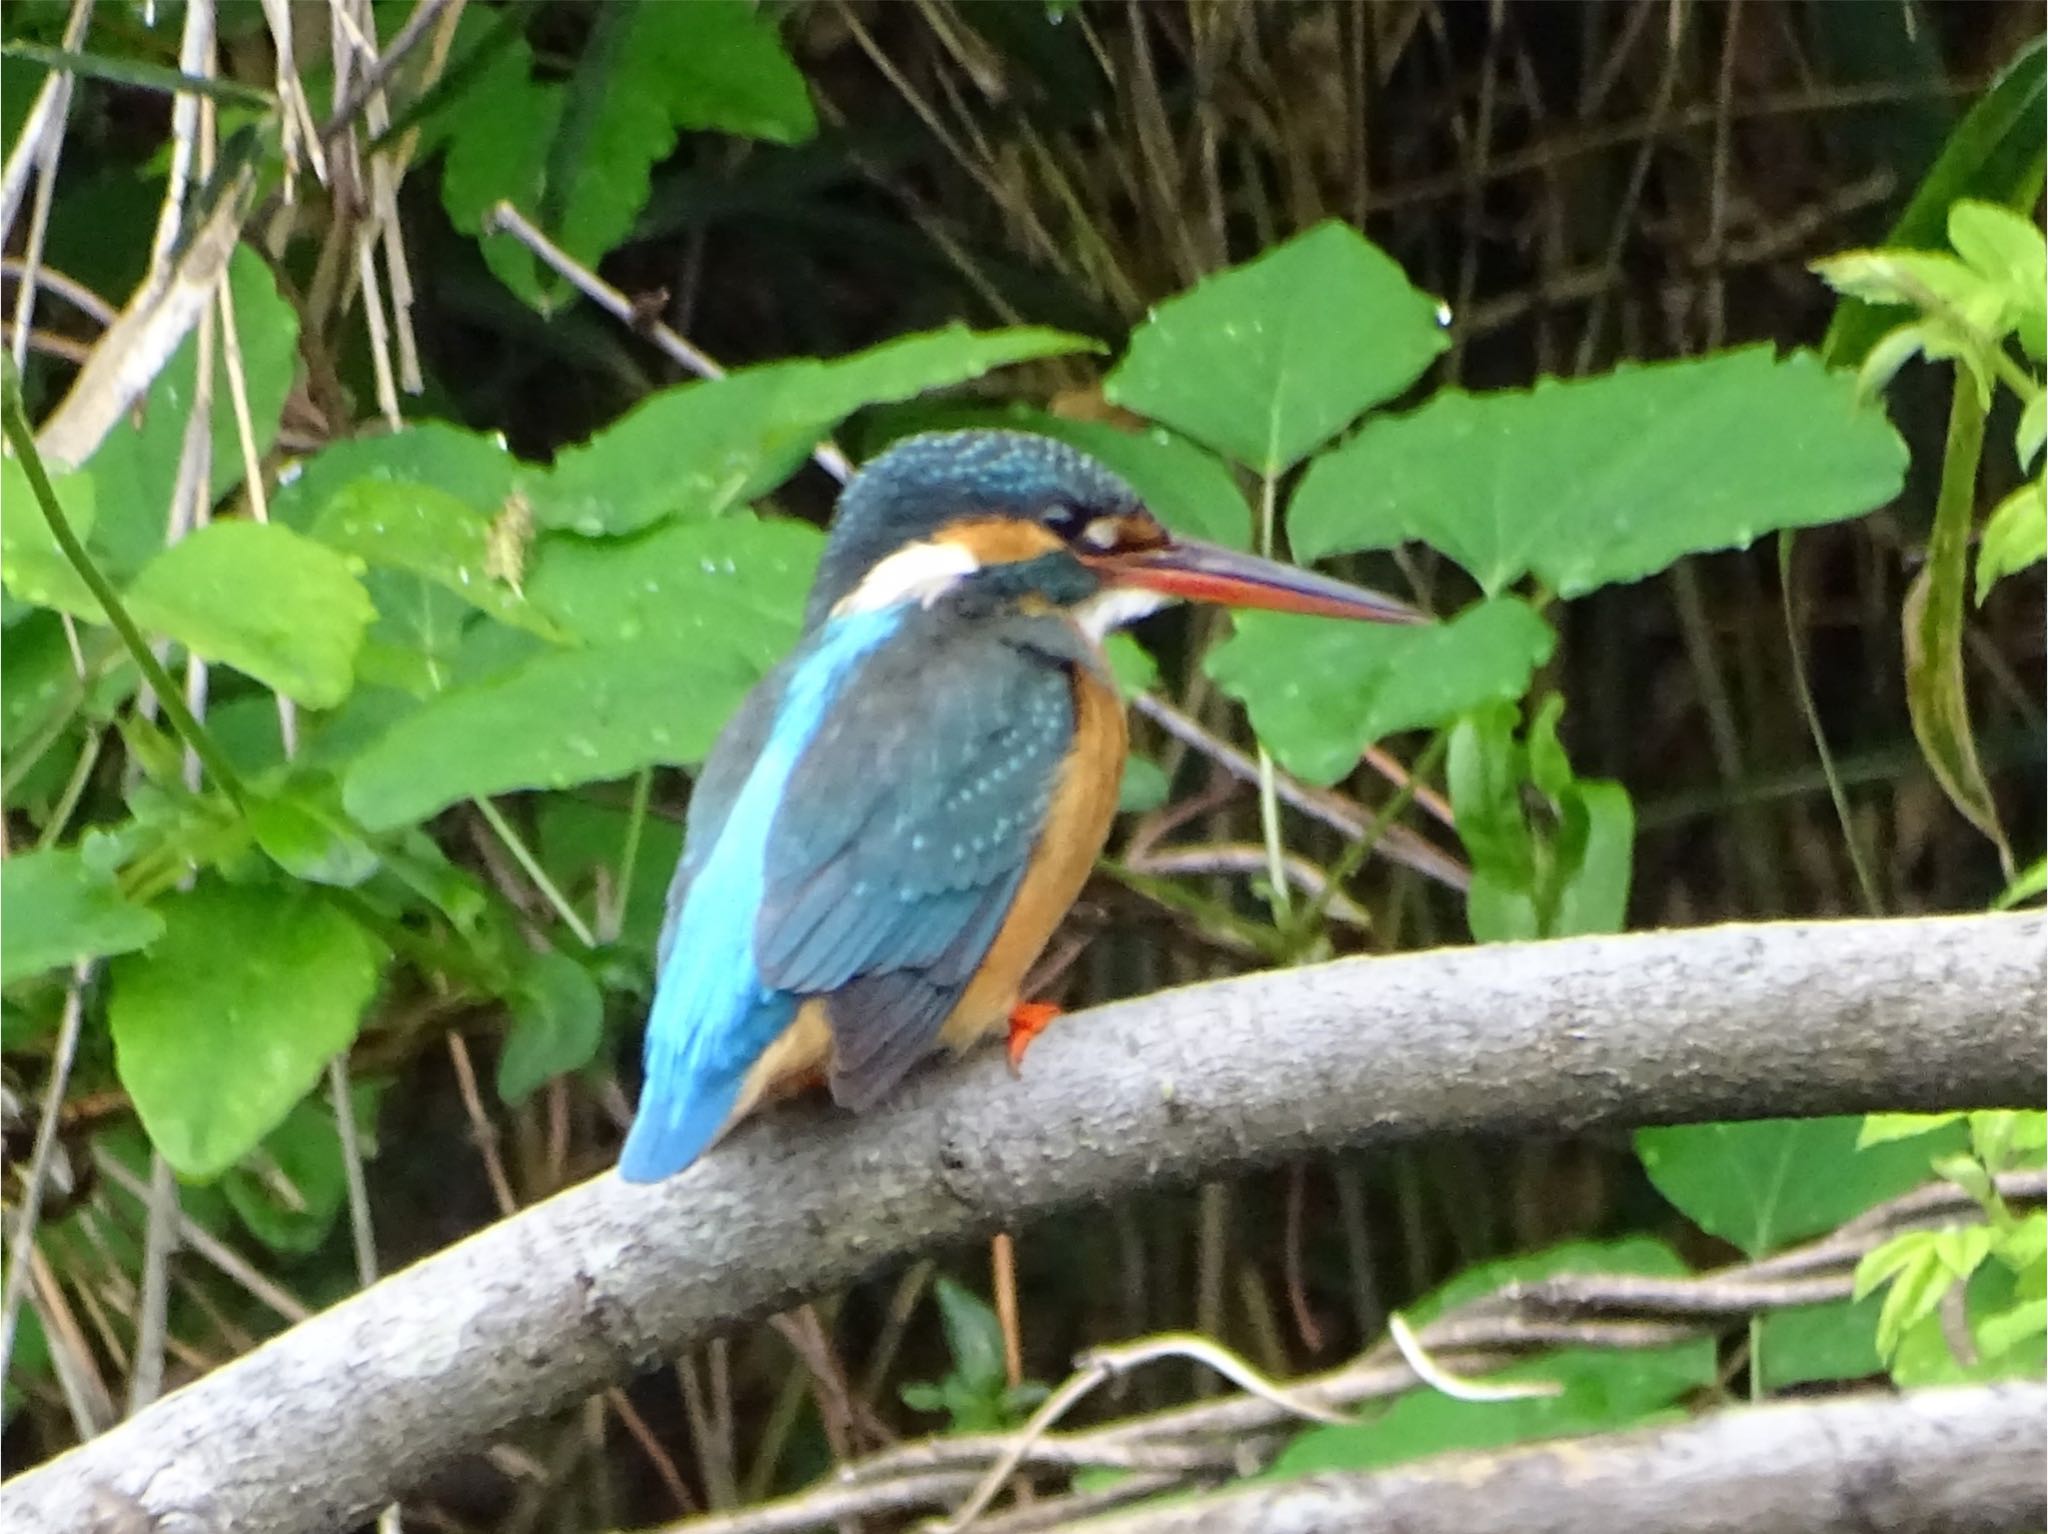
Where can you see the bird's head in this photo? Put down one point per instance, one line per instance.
(1017, 519)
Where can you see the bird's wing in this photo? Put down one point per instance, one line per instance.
(719, 781)
(909, 822)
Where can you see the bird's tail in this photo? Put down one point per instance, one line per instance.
(696, 1070)
(671, 1130)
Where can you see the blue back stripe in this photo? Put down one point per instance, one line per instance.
(713, 1016)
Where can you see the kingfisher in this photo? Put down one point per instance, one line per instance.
(888, 831)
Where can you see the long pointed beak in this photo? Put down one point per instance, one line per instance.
(1209, 572)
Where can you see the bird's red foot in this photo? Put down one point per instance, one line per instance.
(1028, 1019)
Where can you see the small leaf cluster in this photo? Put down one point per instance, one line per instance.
(1972, 308)
(975, 1395)
(1965, 1301)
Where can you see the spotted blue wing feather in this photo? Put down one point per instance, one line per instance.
(907, 830)
(714, 1013)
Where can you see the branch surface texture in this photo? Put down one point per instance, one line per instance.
(331, 1420)
(1948, 1459)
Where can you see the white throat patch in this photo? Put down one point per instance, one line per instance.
(1108, 611)
(917, 572)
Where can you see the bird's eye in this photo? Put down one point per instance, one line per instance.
(1065, 519)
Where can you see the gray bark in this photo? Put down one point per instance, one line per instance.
(335, 1417)
(1958, 1459)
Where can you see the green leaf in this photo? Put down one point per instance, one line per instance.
(1932, 623)
(558, 719)
(738, 583)
(1994, 153)
(2028, 436)
(1934, 284)
(1320, 691)
(1590, 481)
(56, 910)
(1484, 768)
(2028, 884)
(142, 75)
(1764, 1184)
(1820, 1342)
(263, 599)
(577, 838)
(2015, 537)
(1593, 891)
(429, 533)
(302, 828)
(557, 1024)
(578, 155)
(2005, 249)
(473, 468)
(728, 71)
(293, 1190)
(700, 449)
(1603, 1389)
(135, 469)
(233, 1014)
(1269, 360)
(682, 621)
(974, 1335)
(1914, 1280)
(1880, 1128)
(32, 565)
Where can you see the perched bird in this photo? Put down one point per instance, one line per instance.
(890, 828)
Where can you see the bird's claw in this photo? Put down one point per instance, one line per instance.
(1028, 1019)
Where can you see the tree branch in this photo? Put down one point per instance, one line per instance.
(330, 1420)
(1967, 1458)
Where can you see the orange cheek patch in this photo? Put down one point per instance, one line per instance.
(1001, 540)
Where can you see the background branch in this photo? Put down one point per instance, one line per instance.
(327, 1422)
(1967, 1458)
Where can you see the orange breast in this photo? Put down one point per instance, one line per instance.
(1076, 825)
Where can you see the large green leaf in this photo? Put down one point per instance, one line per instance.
(263, 599)
(56, 910)
(560, 718)
(1606, 479)
(1269, 360)
(1603, 1389)
(578, 154)
(231, 1016)
(474, 468)
(136, 467)
(738, 582)
(700, 449)
(1320, 691)
(437, 536)
(1762, 1184)
(32, 565)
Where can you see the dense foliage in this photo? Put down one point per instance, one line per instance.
(354, 669)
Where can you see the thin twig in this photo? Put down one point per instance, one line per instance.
(506, 219)
(21, 1236)
(204, 1244)
(1458, 1388)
